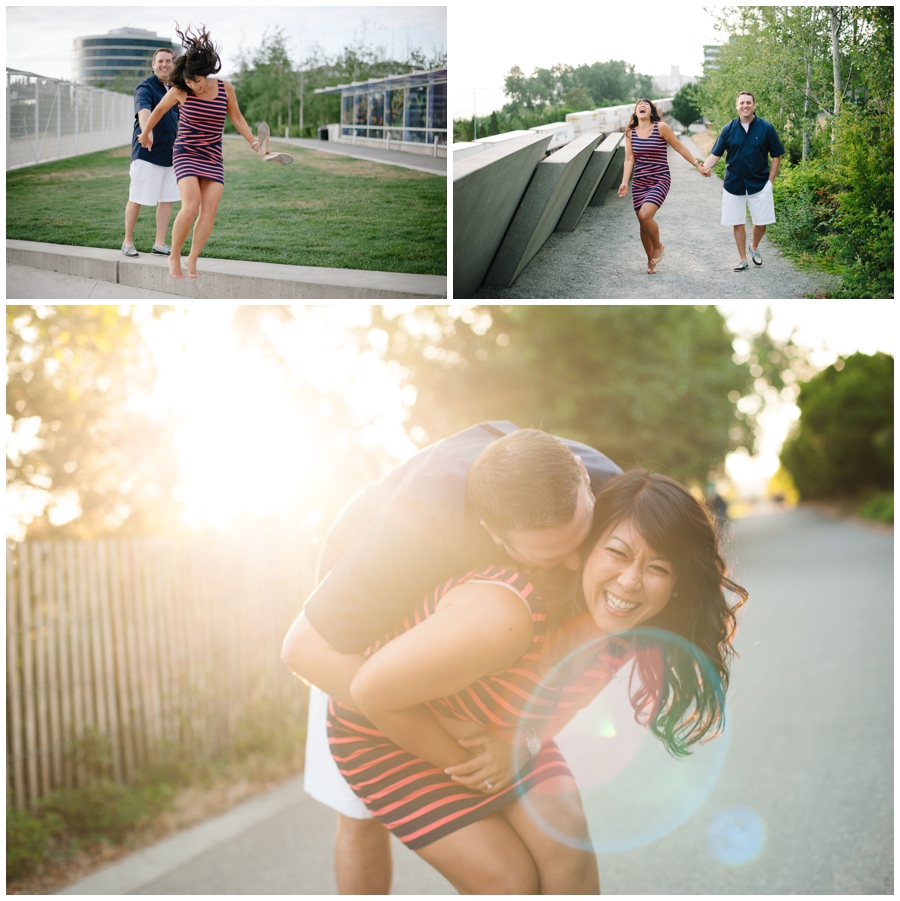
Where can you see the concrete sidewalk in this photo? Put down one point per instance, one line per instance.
(421, 162)
(59, 271)
(278, 843)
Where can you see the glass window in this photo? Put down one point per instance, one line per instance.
(416, 114)
(376, 114)
(437, 113)
(393, 113)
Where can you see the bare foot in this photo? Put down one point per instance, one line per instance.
(175, 266)
(192, 267)
(659, 256)
(651, 266)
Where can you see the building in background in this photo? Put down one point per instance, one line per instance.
(99, 58)
(669, 85)
(408, 112)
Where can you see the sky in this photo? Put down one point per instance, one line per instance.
(487, 40)
(39, 38)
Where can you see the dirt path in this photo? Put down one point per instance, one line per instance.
(603, 258)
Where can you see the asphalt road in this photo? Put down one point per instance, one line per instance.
(603, 259)
(809, 766)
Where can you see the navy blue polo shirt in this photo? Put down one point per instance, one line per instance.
(146, 96)
(747, 166)
(400, 537)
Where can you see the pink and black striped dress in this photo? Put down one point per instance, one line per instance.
(198, 147)
(414, 799)
(652, 179)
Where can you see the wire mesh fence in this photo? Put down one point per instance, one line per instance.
(48, 119)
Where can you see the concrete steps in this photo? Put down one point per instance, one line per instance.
(225, 279)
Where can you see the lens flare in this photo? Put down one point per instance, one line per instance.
(632, 790)
(736, 836)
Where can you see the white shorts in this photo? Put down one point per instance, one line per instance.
(762, 207)
(152, 184)
(321, 778)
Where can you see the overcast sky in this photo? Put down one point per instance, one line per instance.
(39, 38)
(487, 40)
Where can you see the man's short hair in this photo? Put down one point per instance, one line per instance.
(524, 481)
(161, 50)
(748, 94)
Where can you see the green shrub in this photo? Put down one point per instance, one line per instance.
(29, 841)
(879, 508)
(805, 205)
(99, 810)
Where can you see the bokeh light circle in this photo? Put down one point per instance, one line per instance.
(736, 836)
(632, 789)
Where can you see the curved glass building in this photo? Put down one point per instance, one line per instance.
(408, 109)
(99, 57)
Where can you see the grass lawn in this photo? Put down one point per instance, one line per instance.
(322, 210)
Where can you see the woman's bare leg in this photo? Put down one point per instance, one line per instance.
(189, 189)
(484, 858)
(651, 229)
(563, 868)
(210, 195)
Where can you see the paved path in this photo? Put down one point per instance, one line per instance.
(28, 282)
(810, 753)
(421, 162)
(604, 259)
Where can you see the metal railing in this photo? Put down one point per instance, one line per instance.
(49, 119)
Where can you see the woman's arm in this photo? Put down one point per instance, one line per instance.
(173, 95)
(629, 164)
(234, 113)
(477, 630)
(676, 145)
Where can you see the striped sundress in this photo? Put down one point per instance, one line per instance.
(651, 168)
(198, 147)
(415, 800)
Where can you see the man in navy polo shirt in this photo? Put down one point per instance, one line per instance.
(153, 180)
(749, 142)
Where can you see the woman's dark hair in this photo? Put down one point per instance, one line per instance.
(654, 115)
(680, 693)
(200, 57)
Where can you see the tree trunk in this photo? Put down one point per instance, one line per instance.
(835, 58)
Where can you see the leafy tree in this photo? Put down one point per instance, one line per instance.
(81, 442)
(645, 384)
(845, 440)
(686, 105)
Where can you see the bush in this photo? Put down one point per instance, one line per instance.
(806, 207)
(29, 841)
(100, 810)
(879, 508)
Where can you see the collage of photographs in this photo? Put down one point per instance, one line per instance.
(504, 502)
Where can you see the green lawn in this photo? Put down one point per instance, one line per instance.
(322, 210)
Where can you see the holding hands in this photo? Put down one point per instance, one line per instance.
(146, 139)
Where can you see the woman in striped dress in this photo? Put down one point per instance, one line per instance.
(647, 140)
(482, 651)
(197, 154)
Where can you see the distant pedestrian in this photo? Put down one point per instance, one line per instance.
(647, 139)
(748, 141)
(197, 155)
(153, 180)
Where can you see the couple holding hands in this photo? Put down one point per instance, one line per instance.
(748, 141)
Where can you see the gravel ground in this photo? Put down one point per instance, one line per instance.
(604, 259)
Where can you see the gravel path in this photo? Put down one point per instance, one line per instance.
(604, 259)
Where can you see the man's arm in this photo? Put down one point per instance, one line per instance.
(311, 658)
(773, 168)
(710, 163)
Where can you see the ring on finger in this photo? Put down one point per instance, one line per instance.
(488, 785)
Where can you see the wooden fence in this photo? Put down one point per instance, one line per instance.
(148, 644)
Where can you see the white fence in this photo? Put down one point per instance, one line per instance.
(48, 119)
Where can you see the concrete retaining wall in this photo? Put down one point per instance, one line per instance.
(612, 177)
(540, 210)
(487, 189)
(590, 180)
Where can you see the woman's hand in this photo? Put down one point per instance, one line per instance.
(623, 189)
(490, 768)
(146, 139)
